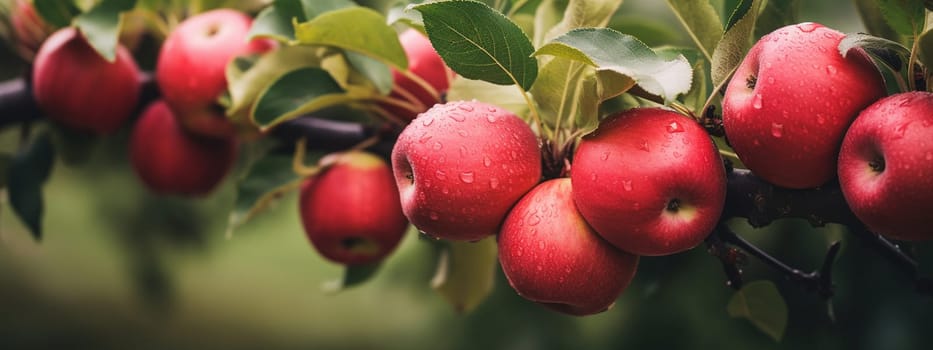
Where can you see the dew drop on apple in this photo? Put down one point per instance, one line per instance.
(424, 138)
(465, 107)
(674, 127)
(457, 117)
(806, 27)
(605, 156)
(486, 161)
(777, 130)
(467, 177)
(831, 70)
(593, 177)
(490, 118)
(541, 245)
(533, 219)
(493, 183)
(643, 145)
(756, 102)
(540, 268)
(440, 175)
(433, 215)
(627, 185)
(463, 133)
(678, 155)
(820, 119)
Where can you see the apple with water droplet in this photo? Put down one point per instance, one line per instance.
(650, 181)
(192, 63)
(790, 101)
(170, 160)
(77, 87)
(886, 166)
(551, 256)
(425, 63)
(351, 211)
(460, 167)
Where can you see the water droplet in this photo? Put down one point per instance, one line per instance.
(593, 177)
(491, 118)
(675, 127)
(831, 70)
(533, 219)
(756, 102)
(820, 119)
(491, 109)
(678, 155)
(466, 177)
(440, 175)
(514, 155)
(929, 156)
(540, 268)
(437, 146)
(519, 252)
(463, 133)
(427, 121)
(457, 117)
(433, 215)
(643, 145)
(424, 138)
(777, 130)
(466, 107)
(807, 27)
(486, 161)
(445, 190)
(756, 142)
(493, 183)
(627, 185)
(770, 80)
(540, 244)
(605, 155)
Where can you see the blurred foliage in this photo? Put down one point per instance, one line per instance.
(120, 268)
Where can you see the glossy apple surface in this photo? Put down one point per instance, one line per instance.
(170, 160)
(886, 166)
(790, 101)
(351, 211)
(551, 256)
(78, 88)
(192, 63)
(649, 181)
(461, 166)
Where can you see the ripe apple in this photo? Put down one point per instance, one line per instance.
(351, 211)
(460, 167)
(191, 68)
(787, 108)
(77, 87)
(649, 181)
(423, 62)
(886, 166)
(551, 256)
(29, 30)
(169, 160)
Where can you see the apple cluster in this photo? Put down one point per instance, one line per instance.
(798, 112)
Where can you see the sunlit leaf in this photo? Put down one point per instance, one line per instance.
(608, 49)
(874, 21)
(734, 44)
(465, 273)
(480, 43)
(893, 53)
(28, 171)
(356, 29)
(300, 91)
(702, 23)
(245, 86)
(58, 13)
(375, 72)
(276, 21)
(760, 303)
(268, 179)
(500, 95)
(101, 25)
(583, 14)
(547, 15)
(353, 275)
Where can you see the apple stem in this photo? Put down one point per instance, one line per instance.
(298, 160)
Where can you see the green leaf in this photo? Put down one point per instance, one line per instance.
(479, 43)
(582, 14)
(776, 14)
(246, 85)
(267, 180)
(892, 53)
(702, 23)
(610, 50)
(356, 29)
(500, 95)
(740, 10)
(101, 25)
(29, 169)
(905, 16)
(74, 147)
(547, 15)
(300, 91)
(376, 72)
(874, 21)
(695, 99)
(353, 275)
(277, 21)
(6, 161)
(734, 44)
(760, 303)
(58, 13)
(465, 273)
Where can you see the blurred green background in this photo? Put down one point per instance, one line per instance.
(119, 268)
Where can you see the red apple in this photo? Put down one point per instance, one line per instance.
(551, 256)
(649, 181)
(886, 166)
(77, 87)
(191, 68)
(423, 62)
(351, 211)
(169, 160)
(461, 166)
(791, 99)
